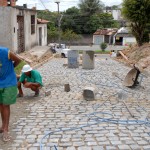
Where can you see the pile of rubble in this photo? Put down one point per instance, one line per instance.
(138, 55)
(34, 59)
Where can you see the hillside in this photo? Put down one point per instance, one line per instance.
(138, 55)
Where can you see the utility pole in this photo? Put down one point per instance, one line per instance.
(59, 23)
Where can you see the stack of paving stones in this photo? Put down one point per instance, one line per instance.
(66, 114)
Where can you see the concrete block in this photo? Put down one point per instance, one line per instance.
(88, 60)
(67, 87)
(89, 93)
(73, 59)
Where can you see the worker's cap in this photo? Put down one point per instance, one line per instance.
(26, 68)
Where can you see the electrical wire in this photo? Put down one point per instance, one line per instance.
(43, 4)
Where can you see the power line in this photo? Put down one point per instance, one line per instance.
(43, 4)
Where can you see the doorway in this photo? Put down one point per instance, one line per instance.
(40, 36)
(20, 34)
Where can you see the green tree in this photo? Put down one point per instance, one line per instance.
(99, 21)
(90, 6)
(114, 7)
(137, 13)
(52, 35)
(69, 36)
(70, 20)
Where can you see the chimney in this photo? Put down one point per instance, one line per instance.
(7, 3)
(34, 8)
(24, 5)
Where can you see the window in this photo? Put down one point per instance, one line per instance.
(32, 24)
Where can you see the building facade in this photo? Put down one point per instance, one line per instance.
(104, 36)
(19, 28)
(123, 37)
(42, 32)
(116, 13)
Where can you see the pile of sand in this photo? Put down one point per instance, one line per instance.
(138, 55)
(34, 60)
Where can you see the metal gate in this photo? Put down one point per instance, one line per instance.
(20, 33)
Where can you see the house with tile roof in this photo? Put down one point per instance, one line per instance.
(124, 37)
(104, 36)
(42, 32)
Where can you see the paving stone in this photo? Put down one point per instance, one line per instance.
(71, 148)
(142, 142)
(91, 143)
(116, 142)
(78, 144)
(33, 148)
(98, 148)
(123, 147)
(135, 147)
(69, 111)
(84, 148)
(146, 147)
(111, 148)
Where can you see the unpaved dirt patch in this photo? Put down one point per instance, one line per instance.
(34, 59)
(138, 55)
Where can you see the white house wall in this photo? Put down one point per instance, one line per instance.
(15, 26)
(116, 14)
(98, 39)
(6, 28)
(30, 39)
(128, 40)
(9, 26)
(44, 34)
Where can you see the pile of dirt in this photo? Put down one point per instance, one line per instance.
(34, 60)
(138, 55)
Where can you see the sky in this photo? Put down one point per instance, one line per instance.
(63, 5)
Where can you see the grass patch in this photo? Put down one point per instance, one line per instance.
(98, 52)
(102, 52)
(19, 67)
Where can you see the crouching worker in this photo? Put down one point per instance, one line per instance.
(30, 79)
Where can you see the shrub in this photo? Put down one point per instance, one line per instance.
(103, 46)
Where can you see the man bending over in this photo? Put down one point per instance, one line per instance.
(30, 79)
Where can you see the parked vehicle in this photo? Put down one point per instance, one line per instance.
(62, 50)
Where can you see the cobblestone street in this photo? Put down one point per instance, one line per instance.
(65, 121)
